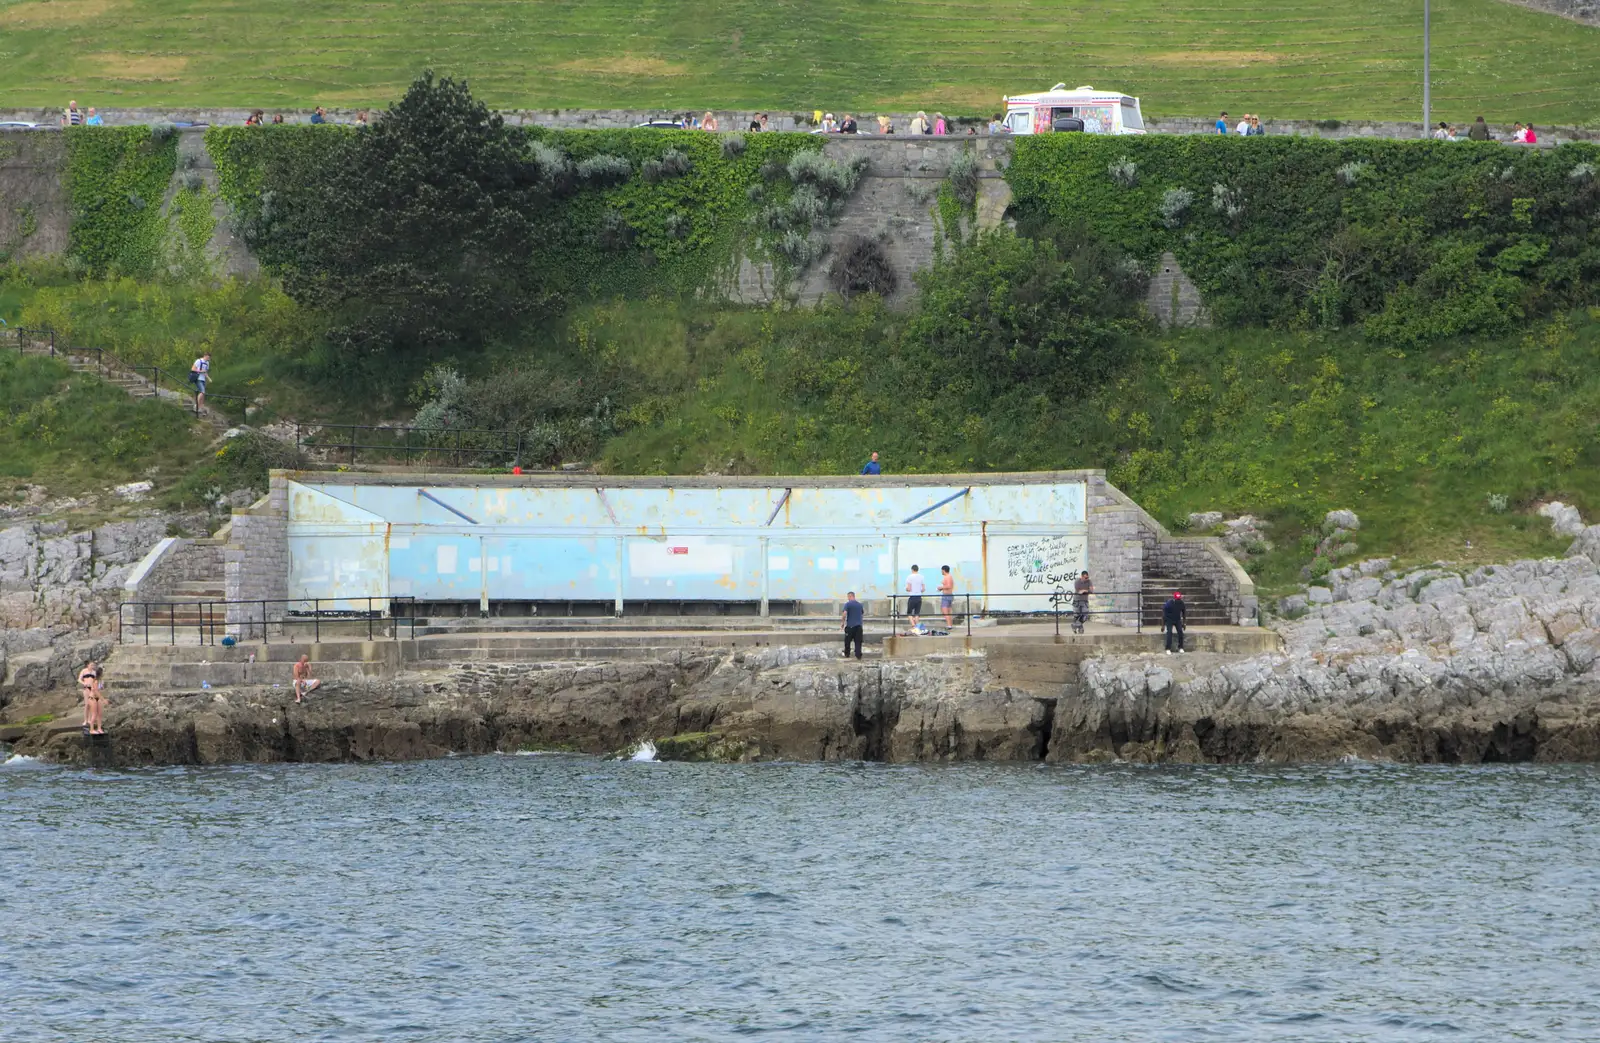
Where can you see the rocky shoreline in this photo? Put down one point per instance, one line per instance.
(1430, 665)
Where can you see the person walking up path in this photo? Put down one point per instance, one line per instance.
(916, 587)
(1173, 617)
(304, 683)
(947, 596)
(852, 621)
(94, 699)
(199, 374)
(873, 467)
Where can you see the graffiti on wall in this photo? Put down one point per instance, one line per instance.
(1044, 563)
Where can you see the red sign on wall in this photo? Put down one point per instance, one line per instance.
(679, 550)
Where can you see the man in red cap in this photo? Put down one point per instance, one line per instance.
(1172, 620)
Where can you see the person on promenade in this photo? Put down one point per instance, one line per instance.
(919, 124)
(1243, 129)
(304, 683)
(939, 125)
(848, 124)
(255, 119)
(851, 620)
(277, 119)
(829, 124)
(93, 119)
(361, 119)
(1479, 131)
(873, 467)
(1174, 615)
(1441, 132)
(73, 117)
(1528, 136)
(1082, 587)
(1256, 129)
(916, 587)
(755, 124)
(1222, 122)
(708, 122)
(884, 126)
(199, 374)
(320, 116)
(997, 125)
(1517, 134)
(947, 596)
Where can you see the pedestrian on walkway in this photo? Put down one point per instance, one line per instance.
(94, 699)
(94, 119)
(1173, 619)
(320, 116)
(199, 374)
(848, 124)
(1479, 131)
(304, 683)
(884, 126)
(1082, 587)
(947, 596)
(709, 122)
(920, 124)
(852, 620)
(939, 125)
(73, 117)
(873, 467)
(1222, 122)
(916, 587)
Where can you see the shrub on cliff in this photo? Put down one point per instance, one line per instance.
(413, 234)
(1005, 312)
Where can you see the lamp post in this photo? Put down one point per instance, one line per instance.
(1427, 78)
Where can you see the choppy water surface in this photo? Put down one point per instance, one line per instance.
(555, 898)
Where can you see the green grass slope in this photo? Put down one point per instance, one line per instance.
(1280, 424)
(1286, 58)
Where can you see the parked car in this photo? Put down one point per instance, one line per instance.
(663, 124)
(17, 125)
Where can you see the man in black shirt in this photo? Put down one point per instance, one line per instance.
(1173, 615)
(851, 620)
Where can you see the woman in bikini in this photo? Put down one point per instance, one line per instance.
(94, 699)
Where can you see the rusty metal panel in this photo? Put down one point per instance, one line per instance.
(337, 550)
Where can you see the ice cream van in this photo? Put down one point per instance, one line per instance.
(1085, 109)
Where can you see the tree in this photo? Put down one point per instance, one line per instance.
(413, 233)
(1002, 312)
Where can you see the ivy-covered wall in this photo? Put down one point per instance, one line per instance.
(117, 178)
(1417, 239)
(676, 227)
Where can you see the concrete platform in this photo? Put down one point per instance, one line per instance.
(1097, 640)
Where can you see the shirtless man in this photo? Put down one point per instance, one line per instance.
(947, 596)
(304, 685)
(94, 699)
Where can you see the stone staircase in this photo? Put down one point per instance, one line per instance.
(113, 370)
(1203, 607)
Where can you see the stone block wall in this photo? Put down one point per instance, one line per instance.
(1205, 558)
(1116, 520)
(256, 563)
(1173, 299)
(179, 561)
(1116, 548)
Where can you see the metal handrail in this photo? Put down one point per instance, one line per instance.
(206, 620)
(107, 362)
(1053, 603)
(468, 441)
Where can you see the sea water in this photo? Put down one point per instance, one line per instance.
(566, 898)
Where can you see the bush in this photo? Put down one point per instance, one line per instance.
(963, 178)
(604, 171)
(1123, 171)
(1307, 232)
(863, 267)
(733, 146)
(1175, 204)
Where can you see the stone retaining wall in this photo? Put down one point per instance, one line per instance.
(256, 562)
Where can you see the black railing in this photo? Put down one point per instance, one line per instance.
(169, 619)
(42, 341)
(1054, 605)
(346, 442)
